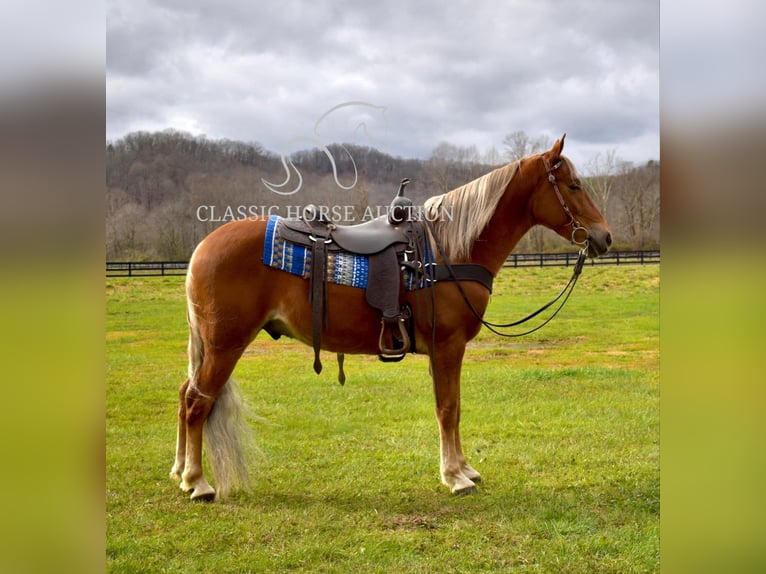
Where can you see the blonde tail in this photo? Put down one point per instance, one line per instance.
(229, 441)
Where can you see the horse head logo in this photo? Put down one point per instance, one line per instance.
(361, 113)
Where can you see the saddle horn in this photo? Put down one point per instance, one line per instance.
(401, 207)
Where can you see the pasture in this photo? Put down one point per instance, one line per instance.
(563, 424)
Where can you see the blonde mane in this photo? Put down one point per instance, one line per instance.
(470, 206)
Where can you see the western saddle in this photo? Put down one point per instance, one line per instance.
(391, 242)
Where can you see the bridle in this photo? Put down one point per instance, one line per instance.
(576, 226)
(565, 292)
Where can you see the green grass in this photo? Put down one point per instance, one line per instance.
(563, 424)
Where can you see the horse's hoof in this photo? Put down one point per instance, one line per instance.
(200, 489)
(465, 490)
(203, 496)
(472, 474)
(204, 493)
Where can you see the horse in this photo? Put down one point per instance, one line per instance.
(232, 296)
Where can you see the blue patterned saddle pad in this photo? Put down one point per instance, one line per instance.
(343, 268)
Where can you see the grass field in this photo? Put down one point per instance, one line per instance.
(563, 424)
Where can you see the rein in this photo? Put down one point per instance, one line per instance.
(565, 292)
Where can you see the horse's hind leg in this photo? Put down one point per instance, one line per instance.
(197, 406)
(178, 465)
(199, 399)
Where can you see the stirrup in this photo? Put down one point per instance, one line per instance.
(397, 353)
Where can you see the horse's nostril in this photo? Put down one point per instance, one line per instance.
(608, 239)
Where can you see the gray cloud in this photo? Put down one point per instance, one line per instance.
(464, 72)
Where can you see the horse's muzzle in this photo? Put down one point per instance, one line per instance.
(599, 240)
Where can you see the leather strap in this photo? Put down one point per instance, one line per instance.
(318, 294)
(461, 272)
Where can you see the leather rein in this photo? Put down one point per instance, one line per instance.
(565, 292)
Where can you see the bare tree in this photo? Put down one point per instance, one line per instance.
(518, 145)
(639, 192)
(171, 229)
(438, 172)
(362, 201)
(126, 233)
(536, 239)
(492, 157)
(602, 172)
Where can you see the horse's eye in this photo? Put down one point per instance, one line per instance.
(574, 187)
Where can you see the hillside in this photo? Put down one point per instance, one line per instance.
(167, 190)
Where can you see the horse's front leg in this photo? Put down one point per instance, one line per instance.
(456, 473)
(467, 469)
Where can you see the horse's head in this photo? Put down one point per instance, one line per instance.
(561, 203)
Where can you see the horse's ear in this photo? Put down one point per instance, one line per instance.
(557, 147)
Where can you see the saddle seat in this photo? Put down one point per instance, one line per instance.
(364, 238)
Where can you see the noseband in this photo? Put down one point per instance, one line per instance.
(576, 226)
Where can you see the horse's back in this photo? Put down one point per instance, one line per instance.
(227, 276)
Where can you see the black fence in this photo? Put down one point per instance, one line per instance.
(566, 259)
(145, 268)
(163, 268)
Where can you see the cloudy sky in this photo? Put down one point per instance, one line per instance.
(402, 76)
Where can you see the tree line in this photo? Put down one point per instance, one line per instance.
(166, 190)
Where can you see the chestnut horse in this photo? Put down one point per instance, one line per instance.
(232, 295)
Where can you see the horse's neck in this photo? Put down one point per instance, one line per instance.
(504, 230)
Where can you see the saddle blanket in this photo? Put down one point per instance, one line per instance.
(343, 268)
